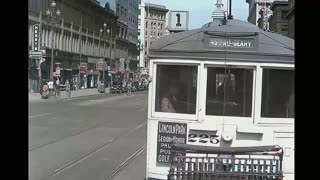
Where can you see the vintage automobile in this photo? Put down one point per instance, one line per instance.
(117, 87)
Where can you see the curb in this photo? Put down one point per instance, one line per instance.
(64, 99)
(78, 97)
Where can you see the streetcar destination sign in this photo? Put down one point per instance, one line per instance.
(168, 134)
(237, 43)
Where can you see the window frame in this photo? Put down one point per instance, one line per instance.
(265, 120)
(176, 116)
(200, 115)
(217, 119)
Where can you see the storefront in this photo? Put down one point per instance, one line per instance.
(33, 75)
(93, 74)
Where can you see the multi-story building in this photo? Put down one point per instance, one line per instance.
(290, 17)
(77, 39)
(128, 11)
(155, 22)
(259, 12)
(278, 21)
(133, 21)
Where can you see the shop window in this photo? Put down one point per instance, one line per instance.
(229, 91)
(176, 89)
(277, 93)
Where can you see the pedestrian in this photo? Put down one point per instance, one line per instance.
(58, 87)
(129, 88)
(68, 89)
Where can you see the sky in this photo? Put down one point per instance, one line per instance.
(200, 11)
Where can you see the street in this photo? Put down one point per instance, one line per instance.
(88, 138)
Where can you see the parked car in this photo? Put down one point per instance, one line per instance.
(117, 87)
(135, 86)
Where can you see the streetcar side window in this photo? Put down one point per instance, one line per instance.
(176, 89)
(277, 93)
(229, 91)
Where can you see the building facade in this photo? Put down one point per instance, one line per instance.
(259, 12)
(141, 34)
(278, 21)
(290, 17)
(155, 22)
(128, 11)
(78, 40)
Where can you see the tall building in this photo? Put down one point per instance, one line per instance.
(155, 22)
(127, 12)
(78, 45)
(259, 12)
(290, 17)
(278, 21)
(218, 13)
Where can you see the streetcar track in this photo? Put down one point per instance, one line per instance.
(87, 155)
(105, 98)
(64, 137)
(45, 114)
(125, 162)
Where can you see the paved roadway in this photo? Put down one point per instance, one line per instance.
(88, 138)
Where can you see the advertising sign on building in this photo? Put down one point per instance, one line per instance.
(36, 37)
(35, 52)
(101, 66)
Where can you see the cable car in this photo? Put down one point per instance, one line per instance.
(221, 104)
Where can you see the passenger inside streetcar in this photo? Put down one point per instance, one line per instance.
(176, 89)
(169, 101)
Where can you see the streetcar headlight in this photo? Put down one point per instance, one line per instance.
(227, 136)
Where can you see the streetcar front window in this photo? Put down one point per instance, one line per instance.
(277, 93)
(229, 91)
(176, 90)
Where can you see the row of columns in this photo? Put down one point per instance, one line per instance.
(70, 43)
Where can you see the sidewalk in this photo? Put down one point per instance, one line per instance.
(74, 94)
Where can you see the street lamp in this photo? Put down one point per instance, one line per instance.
(52, 14)
(104, 46)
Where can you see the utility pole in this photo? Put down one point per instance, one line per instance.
(110, 46)
(80, 52)
(128, 23)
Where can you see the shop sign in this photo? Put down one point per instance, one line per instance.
(57, 71)
(83, 68)
(101, 66)
(36, 37)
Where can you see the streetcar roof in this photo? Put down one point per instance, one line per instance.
(235, 41)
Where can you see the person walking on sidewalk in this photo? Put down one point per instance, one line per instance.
(57, 87)
(129, 88)
(68, 88)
